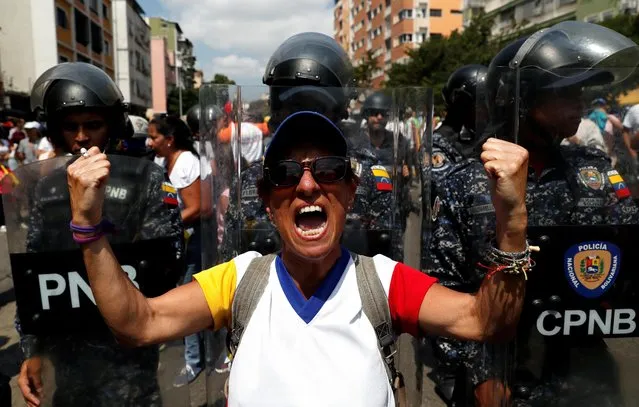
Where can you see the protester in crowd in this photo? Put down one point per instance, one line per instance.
(28, 147)
(170, 138)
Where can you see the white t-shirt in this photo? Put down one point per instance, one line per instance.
(631, 120)
(316, 352)
(251, 140)
(45, 146)
(185, 171)
(589, 135)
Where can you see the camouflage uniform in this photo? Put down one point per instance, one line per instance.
(247, 227)
(90, 367)
(374, 202)
(445, 153)
(465, 224)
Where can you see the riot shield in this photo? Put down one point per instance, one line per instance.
(384, 218)
(575, 343)
(82, 362)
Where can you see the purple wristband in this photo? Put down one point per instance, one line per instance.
(103, 226)
(86, 240)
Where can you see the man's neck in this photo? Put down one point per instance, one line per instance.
(307, 274)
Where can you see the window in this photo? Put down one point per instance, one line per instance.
(404, 14)
(96, 38)
(105, 12)
(404, 38)
(61, 18)
(82, 58)
(455, 11)
(81, 28)
(93, 6)
(435, 12)
(106, 48)
(388, 3)
(435, 36)
(62, 59)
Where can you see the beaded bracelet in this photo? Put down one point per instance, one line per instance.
(509, 262)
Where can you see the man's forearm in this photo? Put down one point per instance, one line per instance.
(123, 306)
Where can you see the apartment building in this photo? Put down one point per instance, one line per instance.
(133, 54)
(38, 34)
(167, 63)
(388, 28)
(595, 11)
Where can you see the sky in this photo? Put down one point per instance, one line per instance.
(237, 37)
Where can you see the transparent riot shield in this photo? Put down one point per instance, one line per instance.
(575, 343)
(384, 217)
(82, 364)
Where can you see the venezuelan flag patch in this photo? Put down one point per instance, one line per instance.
(382, 179)
(169, 194)
(618, 184)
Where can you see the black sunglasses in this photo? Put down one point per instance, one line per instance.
(325, 170)
(377, 112)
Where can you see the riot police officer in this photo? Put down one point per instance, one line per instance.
(379, 140)
(83, 108)
(455, 139)
(310, 71)
(535, 87)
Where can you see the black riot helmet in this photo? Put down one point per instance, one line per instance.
(463, 95)
(309, 71)
(74, 86)
(378, 102)
(561, 60)
(212, 113)
(193, 119)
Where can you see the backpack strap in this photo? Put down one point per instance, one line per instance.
(374, 304)
(375, 307)
(247, 295)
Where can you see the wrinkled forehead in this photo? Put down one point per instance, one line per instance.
(306, 151)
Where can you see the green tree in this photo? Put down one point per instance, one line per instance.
(627, 25)
(190, 97)
(432, 63)
(218, 78)
(364, 70)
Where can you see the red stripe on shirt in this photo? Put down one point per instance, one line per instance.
(408, 288)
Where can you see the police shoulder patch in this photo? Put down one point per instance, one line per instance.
(592, 267)
(169, 194)
(618, 184)
(591, 178)
(382, 179)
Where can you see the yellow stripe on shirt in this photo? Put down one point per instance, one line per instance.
(218, 284)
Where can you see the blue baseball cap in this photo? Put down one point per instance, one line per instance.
(298, 126)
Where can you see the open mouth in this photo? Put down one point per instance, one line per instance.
(310, 221)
